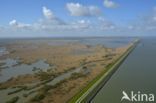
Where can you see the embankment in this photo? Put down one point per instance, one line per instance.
(88, 93)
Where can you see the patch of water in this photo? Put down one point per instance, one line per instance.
(22, 69)
(108, 42)
(3, 51)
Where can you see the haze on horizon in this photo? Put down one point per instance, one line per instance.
(61, 18)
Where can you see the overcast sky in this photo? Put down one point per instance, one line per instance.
(61, 18)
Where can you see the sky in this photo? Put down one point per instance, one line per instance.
(77, 18)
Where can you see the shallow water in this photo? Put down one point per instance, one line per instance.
(8, 63)
(22, 69)
(4, 93)
(108, 42)
(3, 51)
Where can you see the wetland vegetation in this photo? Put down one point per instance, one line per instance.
(41, 71)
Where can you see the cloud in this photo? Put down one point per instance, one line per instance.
(13, 23)
(51, 24)
(47, 13)
(50, 17)
(79, 25)
(110, 4)
(130, 27)
(77, 9)
(146, 22)
(16, 24)
(105, 24)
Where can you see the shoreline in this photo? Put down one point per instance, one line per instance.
(90, 91)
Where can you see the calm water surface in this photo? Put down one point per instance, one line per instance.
(22, 69)
(137, 73)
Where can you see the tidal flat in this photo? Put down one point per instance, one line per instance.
(54, 70)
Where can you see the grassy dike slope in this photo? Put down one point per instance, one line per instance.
(87, 93)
